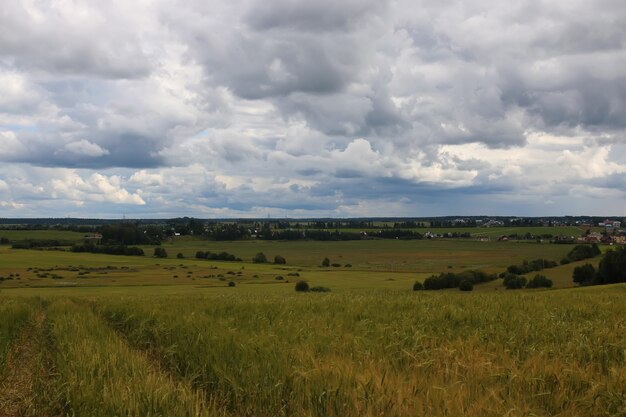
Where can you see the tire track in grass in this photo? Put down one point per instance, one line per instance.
(28, 370)
(103, 375)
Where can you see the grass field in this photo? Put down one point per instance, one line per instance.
(393, 264)
(238, 352)
(100, 335)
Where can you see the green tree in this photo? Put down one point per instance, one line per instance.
(326, 262)
(259, 258)
(584, 274)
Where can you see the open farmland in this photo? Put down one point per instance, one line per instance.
(238, 352)
(93, 334)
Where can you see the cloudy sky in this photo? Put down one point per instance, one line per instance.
(299, 108)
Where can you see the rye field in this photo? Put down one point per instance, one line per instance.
(100, 335)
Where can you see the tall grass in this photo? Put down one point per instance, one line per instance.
(102, 376)
(390, 353)
(14, 313)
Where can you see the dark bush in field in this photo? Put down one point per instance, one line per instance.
(584, 274)
(453, 280)
(231, 283)
(180, 255)
(530, 266)
(222, 256)
(326, 262)
(279, 278)
(109, 249)
(515, 283)
(4, 241)
(418, 286)
(348, 266)
(612, 268)
(319, 289)
(336, 265)
(259, 258)
(293, 274)
(302, 286)
(466, 285)
(159, 253)
(580, 252)
(279, 260)
(539, 281)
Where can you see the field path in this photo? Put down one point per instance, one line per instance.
(23, 370)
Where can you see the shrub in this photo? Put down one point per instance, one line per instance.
(319, 289)
(231, 283)
(418, 286)
(336, 265)
(515, 283)
(539, 281)
(279, 278)
(293, 274)
(326, 262)
(302, 286)
(466, 285)
(279, 260)
(160, 253)
(259, 258)
(348, 266)
(612, 268)
(584, 274)
(180, 256)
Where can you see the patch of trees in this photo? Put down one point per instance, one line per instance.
(222, 256)
(453, 280)
(530, 266)
(109, 249)
(4, 241)
(228, 231)
(611, 270)
(130, 234)
(514, 282)
(34, 244)
(159, 253)
(580, 252)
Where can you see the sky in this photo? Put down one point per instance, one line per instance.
(299, 108)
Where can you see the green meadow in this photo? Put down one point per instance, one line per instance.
(99, 335)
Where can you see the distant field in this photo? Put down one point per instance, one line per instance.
(20, 235)
(392, 264)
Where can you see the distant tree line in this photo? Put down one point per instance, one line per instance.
(454, 280)
(222, 256)
(109, 249)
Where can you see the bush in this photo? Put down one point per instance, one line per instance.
(319, 289)
(466, 285)
(279, 278)
(418, 286)
(231, 283)
(259, 258)
(584, 274)
(160, 253)
(279, 260)
(336, 265)
(302, 286)
(326, 262)
(348, 266)
(180, 255)
(539, 281)
(612, 268)
(515, 283)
